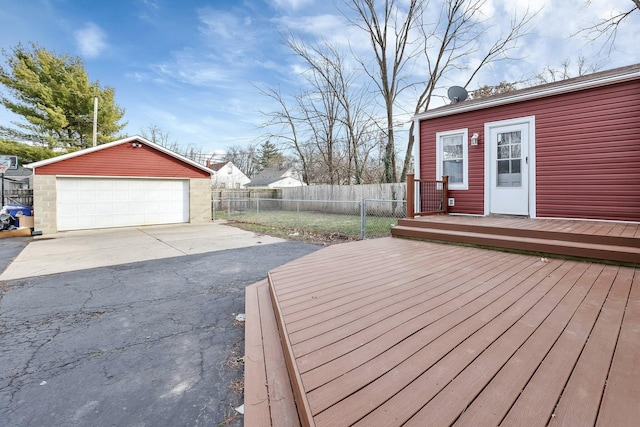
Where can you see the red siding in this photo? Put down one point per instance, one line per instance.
(124, 160)
(587, 152)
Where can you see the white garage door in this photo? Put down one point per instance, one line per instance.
(101, 203)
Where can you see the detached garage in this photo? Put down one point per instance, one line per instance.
(125, 183)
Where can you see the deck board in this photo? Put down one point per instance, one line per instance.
(269, 400)
(375, 304)
(622, 393)
(581, 398)
(337, 292)
(281, 401)
(440, 335)
(451, 384)
(379, 337)
(550, 361)
(402, 332)
(519, 370)
(256, 398)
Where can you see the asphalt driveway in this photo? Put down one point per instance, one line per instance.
(150, 343)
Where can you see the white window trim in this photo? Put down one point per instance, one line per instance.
(465, 161)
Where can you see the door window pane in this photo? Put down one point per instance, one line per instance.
(515, 166)
(509, 163)
(503, 166)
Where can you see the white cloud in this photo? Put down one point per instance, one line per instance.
(232, 38)
(220, 24)
(147, 10)
(90, 40)
(291, 4)
(191, 68)
(224, 49)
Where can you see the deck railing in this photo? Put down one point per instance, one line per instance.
(433, 196)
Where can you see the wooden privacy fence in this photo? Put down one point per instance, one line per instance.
(20, 197)
(383, 199)
(346, 193)
(432, 196)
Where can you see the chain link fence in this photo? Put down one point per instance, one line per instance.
(365, 218)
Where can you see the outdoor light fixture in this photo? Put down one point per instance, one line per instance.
(474, 139)
(136, 144)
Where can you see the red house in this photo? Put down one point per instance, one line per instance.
(569, 149)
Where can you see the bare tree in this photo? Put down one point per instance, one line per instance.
(553, 74)
(321, 117)
(288, 123)
(156, 135)
(608, 27)
(449, 43)
(192, 152)
(344, 112)
(389, 29)
(245, 159)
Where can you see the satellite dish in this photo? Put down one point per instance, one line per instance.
(457, 94)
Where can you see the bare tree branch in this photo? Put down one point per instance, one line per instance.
(608, 27)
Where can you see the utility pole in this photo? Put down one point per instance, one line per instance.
(95, 121)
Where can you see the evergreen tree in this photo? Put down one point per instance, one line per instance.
(26, 153)
(269, 156)
(54, 96)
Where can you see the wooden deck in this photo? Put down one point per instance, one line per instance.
(392, 332)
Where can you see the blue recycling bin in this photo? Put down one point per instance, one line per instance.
(16, 209)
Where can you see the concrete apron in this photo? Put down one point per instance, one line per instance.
(78, 250)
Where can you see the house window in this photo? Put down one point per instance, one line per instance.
(453, 158)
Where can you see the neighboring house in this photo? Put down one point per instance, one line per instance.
(276, 178)
(17, 179)
(226, 175)
(569, 149)
(129, 182)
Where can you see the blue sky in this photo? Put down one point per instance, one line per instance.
(191, 67)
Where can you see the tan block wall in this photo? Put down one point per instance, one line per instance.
(200, 200)
(45, 204)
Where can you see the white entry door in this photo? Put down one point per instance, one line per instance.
(508, 165)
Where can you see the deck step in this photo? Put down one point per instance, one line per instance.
(566, 234)
(520, 240)
(268, 396)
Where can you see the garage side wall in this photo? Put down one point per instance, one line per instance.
(200, 201)
(124, 161)
(44, 203)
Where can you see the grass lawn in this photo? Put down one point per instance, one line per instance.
(314, 222)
